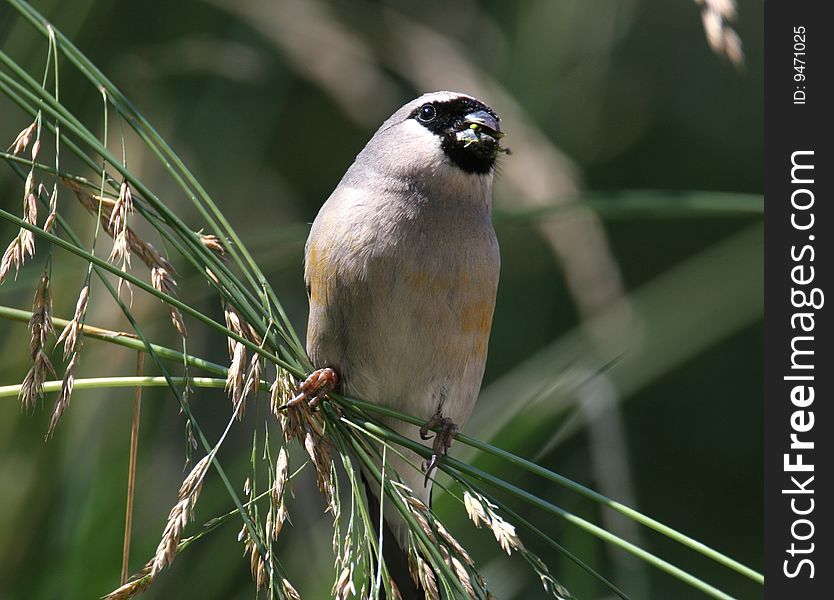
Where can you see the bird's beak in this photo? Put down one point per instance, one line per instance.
(486, 121)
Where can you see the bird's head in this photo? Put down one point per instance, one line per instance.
(446, 128)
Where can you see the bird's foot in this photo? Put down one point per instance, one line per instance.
(446, 429)
(317, 385)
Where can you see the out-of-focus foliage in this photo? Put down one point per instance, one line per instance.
(269, 102)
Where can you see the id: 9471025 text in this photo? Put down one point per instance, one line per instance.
(799, 94)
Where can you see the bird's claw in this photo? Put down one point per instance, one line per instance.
(446, 429)
(317, 385)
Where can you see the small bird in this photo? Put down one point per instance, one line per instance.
(401, 268)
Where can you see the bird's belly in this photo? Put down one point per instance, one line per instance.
(419, 336)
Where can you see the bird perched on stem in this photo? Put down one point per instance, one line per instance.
(402, 269)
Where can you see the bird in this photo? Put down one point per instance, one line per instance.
(401, 269)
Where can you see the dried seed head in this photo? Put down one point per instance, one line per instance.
(132, 588)
(210, 274)
(193, 484)
(64, 395)
(506, 535)
(15, 256)
(49, 223)
(463, 576)
(428, 580)
(481, 510)
(114, 221)
(289, 591)
(268, 526)
(415, 503)
(32, 387)
(162, 281)
(281, 516)
(72, 332)
(29, 186)
(418, 509)
(281, 475)
(444, 554)
(147, 253)
(716, 16)
(257, 564)
(550, 585)
(423, 522)
(240, 381)
(72, 338)
(27, 243)
(234, 322)
(259, 572)
(474, 509)
(177, 322)
(24, 244)
(235, 378)
(81, 304)
(344, 587)
(125, 198)
(302, 424)
(281, 390)
(725, 8)
(553, 587)
(413, 566)
(30, 209)
(713, 27)
(40, 326)
(180, 514)
(239, 326)
(213, 243)
(395, 592)
(121, 250)
(252, 383)
(53, 210)
(36, 149)
(12, 257)
(117, 226)
(22, 140)
(318, 449)
(41, 322)
(733, 48)
(453, 543)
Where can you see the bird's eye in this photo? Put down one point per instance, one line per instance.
(427, 113)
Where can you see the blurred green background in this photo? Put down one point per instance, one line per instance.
(268, 103)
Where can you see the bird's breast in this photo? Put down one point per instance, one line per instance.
(403, 301)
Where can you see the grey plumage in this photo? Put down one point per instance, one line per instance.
(402, 269)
